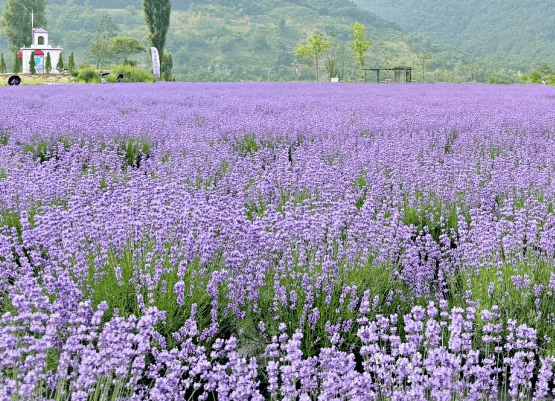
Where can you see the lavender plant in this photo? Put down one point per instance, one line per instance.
(277, 241)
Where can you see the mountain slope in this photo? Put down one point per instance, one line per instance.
(505, 27)
(227, 39)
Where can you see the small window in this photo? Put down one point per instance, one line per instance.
(40, 40)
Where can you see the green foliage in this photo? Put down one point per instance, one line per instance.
(545, 70)
(48, 63)
(157, 16)
(166, 65)
(60, 64)
(128, 62)
(71, 64)
(102, 39)
(133, 150)
(16, 64)
(332, 69)
(536, 77)
(311, 51)
(246, 145)
(513, 301)
(360, 44)
(126, 46)
(495, 78)
(116, 285)
(437, 217)
(4, 138)
(502, 34)
(39, 150)
(11, 219)
(32, 69)
(376, 279)
(197, 40)
(2, 64)
(88, 74)
(15, 23)
(131, 74)
(42, 150)
(451, 138)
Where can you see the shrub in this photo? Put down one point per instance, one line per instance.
(88, 75)
(32, 69)
(536, 77)
(16, 64)
(130, 73)
(129, 62)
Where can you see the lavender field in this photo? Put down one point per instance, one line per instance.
(265, 241)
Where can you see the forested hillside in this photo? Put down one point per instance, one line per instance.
(230, 40)
(255, 40)
(520, 32)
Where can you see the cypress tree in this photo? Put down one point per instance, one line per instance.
(32, 70)
(2, 64)
(16, 64)
(60, 65)
(48, 63)
(157, 16)
(70, 63)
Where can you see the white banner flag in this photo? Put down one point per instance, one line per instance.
(155, 62)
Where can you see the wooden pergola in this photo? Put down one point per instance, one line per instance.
(397, 73)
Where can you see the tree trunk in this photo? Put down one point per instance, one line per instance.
(317, 67)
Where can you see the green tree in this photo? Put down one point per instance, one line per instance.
(126, 46)
(71, 63)
(102, 38)
(60, 64)
(545, 70)
(332, 69)
(472, 68)
(331, 62)
(16, 63)
(360, 44)
(32, 70)
(157, 16)
(15, 23)
(311, 51)
(166, 65)
(2, 64)
(536, 77)
(48, 63)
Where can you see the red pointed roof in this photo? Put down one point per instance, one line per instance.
(37, 52)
